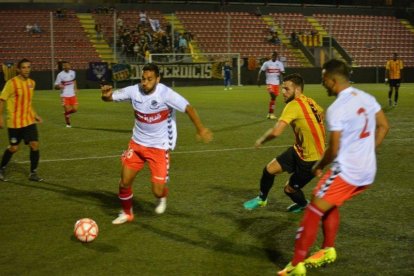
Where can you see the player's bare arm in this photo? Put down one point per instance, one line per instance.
(271, 133)
(382, 127)
(329, 155)
(203, 133)
(106, 91)
(258, 78)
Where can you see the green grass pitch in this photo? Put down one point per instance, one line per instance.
(205, 230)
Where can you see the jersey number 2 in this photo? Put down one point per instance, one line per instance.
(364, 133)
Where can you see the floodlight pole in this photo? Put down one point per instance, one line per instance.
(52, 49)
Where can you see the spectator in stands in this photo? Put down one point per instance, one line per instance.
(142, 18)
(36, 29)
(59, 13)
(33, 29)
(119, 23)
(29, 28)
(182, 44)
(393, 76)
(294, 39)
(258, 12)
(98, 30)
(274, 39)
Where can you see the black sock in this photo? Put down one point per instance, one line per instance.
(298, 197)
(396, 96)
(6, 158)
(266, 183)
(34, 160)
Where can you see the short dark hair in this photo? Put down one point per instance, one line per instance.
(19, 64)
(152, 67)
(296, 79)
(337, 67)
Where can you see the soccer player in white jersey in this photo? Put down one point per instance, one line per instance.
(154, 135)
(357, 126)
(274, 70)
(66, 82)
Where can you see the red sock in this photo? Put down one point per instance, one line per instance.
(271, 106)
(125, 195)
(67, 118)
(330, 226)
(307, 233)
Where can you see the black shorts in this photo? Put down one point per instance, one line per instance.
(28, 134)
(301, 170)
(395, 83)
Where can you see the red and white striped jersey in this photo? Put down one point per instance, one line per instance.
(273, 69)
(67, 79)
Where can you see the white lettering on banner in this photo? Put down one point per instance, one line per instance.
(185, 71)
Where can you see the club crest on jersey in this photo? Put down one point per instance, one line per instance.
(154, 104)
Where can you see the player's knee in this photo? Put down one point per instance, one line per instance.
(34, 146)
(289, 189)
(13, 148)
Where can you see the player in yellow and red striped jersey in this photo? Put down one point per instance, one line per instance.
(17, 94)
(305, 117)
(393, 76)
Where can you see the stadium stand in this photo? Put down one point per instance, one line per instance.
(70, 41)
(234, 32)
(370, 40)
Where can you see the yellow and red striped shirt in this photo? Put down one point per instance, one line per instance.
(394, 67)
(306, 119)
(18, 94)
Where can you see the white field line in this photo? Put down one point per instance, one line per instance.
(173, 152)
(185, 152)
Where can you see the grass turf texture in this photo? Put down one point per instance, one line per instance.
(205, 230)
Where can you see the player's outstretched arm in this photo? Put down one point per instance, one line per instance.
(258, 78)
(204, 134)
(106, 91)
(271, 133)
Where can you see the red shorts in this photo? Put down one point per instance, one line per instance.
(335, 190)
(274, 89)
(69, 100)
(158, 160)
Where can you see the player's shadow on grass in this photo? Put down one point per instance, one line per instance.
(266, 237)
(267, 225)
(104, 129)
(236, 127)
(108, 201)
